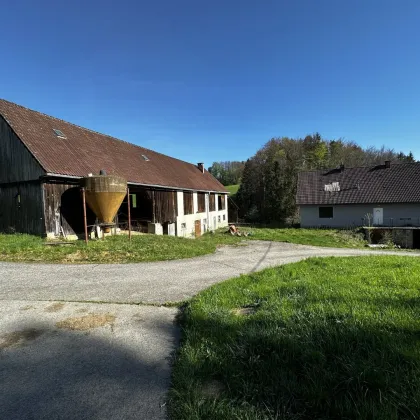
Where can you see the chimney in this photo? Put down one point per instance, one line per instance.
(342, 167)
(387, 164)
(201, 167)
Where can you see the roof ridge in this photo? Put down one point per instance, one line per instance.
(359, 167)
(92, 131)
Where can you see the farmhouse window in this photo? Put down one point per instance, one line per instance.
(326, 212)
(188, 203)
(133, 200)
(201, 199)
(222, 202)
(212, 202)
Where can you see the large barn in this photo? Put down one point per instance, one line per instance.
(43, 158)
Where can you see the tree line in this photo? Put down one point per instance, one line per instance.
(228, 173)
(268, 180)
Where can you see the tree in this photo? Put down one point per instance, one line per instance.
(228, 173)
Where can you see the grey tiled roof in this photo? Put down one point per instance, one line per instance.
(399, 183)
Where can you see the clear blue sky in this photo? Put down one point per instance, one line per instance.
(214, 80)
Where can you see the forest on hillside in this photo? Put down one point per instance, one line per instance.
(268, 179)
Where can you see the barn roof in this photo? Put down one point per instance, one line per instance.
(80, 151)
(394, 183)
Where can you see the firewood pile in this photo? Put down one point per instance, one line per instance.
(235, 231)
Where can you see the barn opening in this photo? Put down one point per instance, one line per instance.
(416, 238)
(141, 209)
(71, 213)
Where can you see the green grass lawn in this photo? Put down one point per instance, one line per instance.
(233, 189)
(143, 248)
(115, 249)
(316, 237)
(334, 338)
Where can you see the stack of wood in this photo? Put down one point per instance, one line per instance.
(234, 231)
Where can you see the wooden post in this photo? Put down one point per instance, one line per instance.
(129, 213)
(154, 206)
(84, 215)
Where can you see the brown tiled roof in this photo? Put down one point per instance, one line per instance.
(400, 183)
(85, 151)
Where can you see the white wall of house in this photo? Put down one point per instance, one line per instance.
(210, 220)
(348, 215)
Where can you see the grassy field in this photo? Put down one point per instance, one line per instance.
(144, 248)
(233, 189)
(334, 338)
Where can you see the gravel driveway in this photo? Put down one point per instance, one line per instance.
(74, 344)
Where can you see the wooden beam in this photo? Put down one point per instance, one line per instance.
(129, 213)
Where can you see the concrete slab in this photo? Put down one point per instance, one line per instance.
(84, 361)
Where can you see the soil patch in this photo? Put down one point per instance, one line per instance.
(86, 322)
(55, 307)
(18, 338)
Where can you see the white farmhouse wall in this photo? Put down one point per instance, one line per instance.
(210, 220)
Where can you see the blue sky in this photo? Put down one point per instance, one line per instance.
(215, 80)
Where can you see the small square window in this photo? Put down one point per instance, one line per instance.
(224, 217)
(183, 226)
(219, 219)
(326, 212)
(59, 133)
(133, 201)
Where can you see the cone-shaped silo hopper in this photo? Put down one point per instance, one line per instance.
(104, 195)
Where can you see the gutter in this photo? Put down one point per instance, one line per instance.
(144, 185)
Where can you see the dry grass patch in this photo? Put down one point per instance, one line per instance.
(86, 322)
(55, 307)
(213, 389)
(246, 310)
(18, 338)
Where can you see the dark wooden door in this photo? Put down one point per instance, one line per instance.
(197, 228)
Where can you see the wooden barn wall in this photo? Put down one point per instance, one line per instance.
(21, 209)
(16, 162)
(165, 206)
(64, 209)
(52, 205)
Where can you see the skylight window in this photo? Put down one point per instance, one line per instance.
(145, 158)
(59, 133)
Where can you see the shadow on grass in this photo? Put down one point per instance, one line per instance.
(301, 368)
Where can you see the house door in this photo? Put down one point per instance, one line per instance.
(378, 216)
(197, 228)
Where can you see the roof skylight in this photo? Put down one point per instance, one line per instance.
(145, 158)
(59, 133)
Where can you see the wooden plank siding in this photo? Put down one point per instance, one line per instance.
(212, 202)
(201, 200)
(188, 202)
(165, 206)
(20, 189)
(16, 163)
(21, 208)
(222, 202)
(64, 209)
